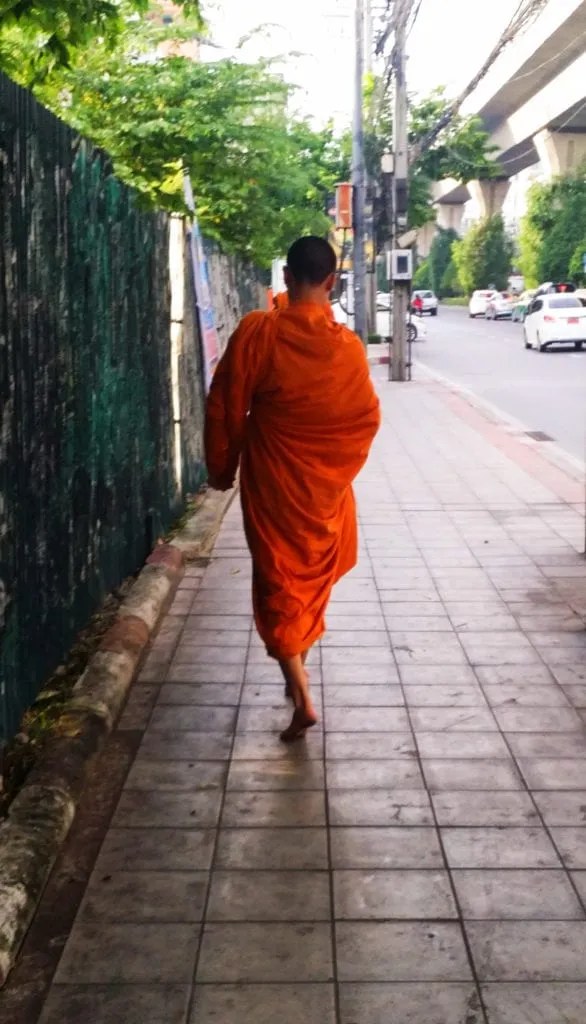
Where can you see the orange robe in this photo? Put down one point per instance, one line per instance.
(293, 402)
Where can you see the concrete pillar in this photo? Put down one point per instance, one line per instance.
(450, 215)
(489, 196)
(560, 152)
(425, 237)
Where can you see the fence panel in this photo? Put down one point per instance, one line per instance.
(86, 427)
(89, 421)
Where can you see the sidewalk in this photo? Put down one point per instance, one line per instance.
(421, 858)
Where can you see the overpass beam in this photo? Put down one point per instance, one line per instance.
(450, 215)
(489, 195)
(425, 237)
(560, 152)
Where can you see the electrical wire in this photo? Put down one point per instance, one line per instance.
(527, 152)
(545, 63)
(526, 12)
(414, 19)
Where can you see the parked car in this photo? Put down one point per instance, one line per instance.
(551, 288)
(520, 306)
(500, 306)
(415, 329)
(479, 301)
(429, 302)
(555, 319)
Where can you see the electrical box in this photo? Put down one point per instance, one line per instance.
(400, 265)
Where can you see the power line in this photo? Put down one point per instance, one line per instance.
(526, 12)
(414, 19)
(550, 60)
(526, 152)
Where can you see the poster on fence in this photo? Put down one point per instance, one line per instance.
(210, 348)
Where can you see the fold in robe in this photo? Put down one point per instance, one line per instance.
(293, 402)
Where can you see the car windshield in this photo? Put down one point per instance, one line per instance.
(564, 302)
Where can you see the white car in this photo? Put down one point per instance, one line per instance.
(479, 302)
(415, 329)
(555, 320)
(500, 306)
(429, 302)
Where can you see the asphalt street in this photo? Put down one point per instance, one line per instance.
(545, 391)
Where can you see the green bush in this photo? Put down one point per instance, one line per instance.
(440, 257)
(553, 231)
(450, 286)
(483, 257)
(422, 277)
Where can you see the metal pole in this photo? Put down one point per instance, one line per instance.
(401, 289)
(371, 269)
(358, 182)
(388, 197)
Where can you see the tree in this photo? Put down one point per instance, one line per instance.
(450, 283)
(260, 178)
(553, 230)
(529, 247)
(577, 270)
(461, 151)
(483, 257)
(422, 276)
(440, 256)
(54, 29)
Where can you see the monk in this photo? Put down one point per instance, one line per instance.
(293, 404)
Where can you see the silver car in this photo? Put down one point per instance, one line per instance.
(429, 302)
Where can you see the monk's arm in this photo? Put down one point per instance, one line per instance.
(229, 400)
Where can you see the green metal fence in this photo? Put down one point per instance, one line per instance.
(87, 478)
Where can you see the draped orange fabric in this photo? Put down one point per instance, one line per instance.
(293, 401)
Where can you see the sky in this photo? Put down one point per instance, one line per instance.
(445, 48)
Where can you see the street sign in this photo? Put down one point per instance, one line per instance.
(344, 205)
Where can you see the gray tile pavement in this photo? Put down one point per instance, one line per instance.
(422, 855)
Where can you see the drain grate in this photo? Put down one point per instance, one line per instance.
(538, 435)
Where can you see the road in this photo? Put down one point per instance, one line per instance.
(545, 391)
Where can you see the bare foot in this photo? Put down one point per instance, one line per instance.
(302, 721)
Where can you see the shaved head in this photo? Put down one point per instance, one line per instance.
(311, 261)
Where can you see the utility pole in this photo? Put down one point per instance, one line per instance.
(359, 182)
(371, 269)
(401, 289)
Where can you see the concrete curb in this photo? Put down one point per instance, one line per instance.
(41, 814)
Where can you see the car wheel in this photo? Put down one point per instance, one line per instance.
(411, 332)
(526, 340)
(540, 345)
(434, 312)
(578, 345)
